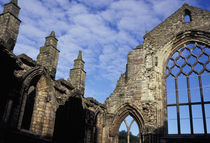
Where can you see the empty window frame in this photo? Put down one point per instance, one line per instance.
(187, 16)
(188, 90)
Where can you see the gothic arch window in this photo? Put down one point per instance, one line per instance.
(187, 16)
(188, 90)
(128, 131)
(28, 108)
(28, 104)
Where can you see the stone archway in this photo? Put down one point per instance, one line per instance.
(33, 75)
(121, 114)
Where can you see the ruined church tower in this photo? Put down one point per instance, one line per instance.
(9, 23)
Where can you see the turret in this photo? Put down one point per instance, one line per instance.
(48, 56)
(77, 74)
(9, 24)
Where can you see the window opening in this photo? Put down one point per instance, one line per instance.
(128, 131)
(187, 16)
(188, 88)
(28, 108)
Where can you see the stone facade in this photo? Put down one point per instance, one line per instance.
(34, 107)
(141, 90)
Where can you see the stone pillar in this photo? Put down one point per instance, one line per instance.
(48, 56)
(9, 24)
(43, 117)
(77, 74)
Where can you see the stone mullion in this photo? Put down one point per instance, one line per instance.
(190, 105)
(128, 129)
(22, 109)
(202, 105)
(177, 106)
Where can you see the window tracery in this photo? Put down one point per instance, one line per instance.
(188, 90)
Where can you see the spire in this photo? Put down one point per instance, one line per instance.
(77, 74)
(52, 34)
(79, 57)
(79, 63)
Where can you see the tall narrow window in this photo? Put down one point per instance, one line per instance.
(188, 90)
(28, 108)
(187, 16)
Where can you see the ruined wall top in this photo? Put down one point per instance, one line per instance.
(174, 24)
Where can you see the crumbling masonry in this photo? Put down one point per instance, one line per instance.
(36, 108)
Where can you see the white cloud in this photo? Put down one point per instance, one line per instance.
(34, 8)
(97, 4)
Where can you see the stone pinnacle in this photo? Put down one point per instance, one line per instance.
(52, 34)
(80, 55)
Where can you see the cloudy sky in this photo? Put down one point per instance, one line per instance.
(105, 31)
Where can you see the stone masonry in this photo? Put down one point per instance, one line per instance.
(141, 90)
(9, 22)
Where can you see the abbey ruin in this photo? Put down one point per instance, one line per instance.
(36, 108)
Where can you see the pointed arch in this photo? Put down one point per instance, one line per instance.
(121, 113)
(27, 96)
(30, 75)
(179, 44)
(187, 16)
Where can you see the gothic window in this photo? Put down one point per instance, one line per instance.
(26, 122)
(188, 90)
(128, 131)
(187, 16)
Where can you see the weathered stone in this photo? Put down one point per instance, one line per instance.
(9, 24)
(142, 87)
(48, 56)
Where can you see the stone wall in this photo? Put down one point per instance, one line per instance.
(43, 117)
(143, 85)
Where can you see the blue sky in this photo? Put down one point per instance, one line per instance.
(105, 31)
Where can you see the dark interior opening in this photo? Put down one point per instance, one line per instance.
(26, 122)
(70, 122)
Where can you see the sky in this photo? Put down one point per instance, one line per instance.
(104, 30)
